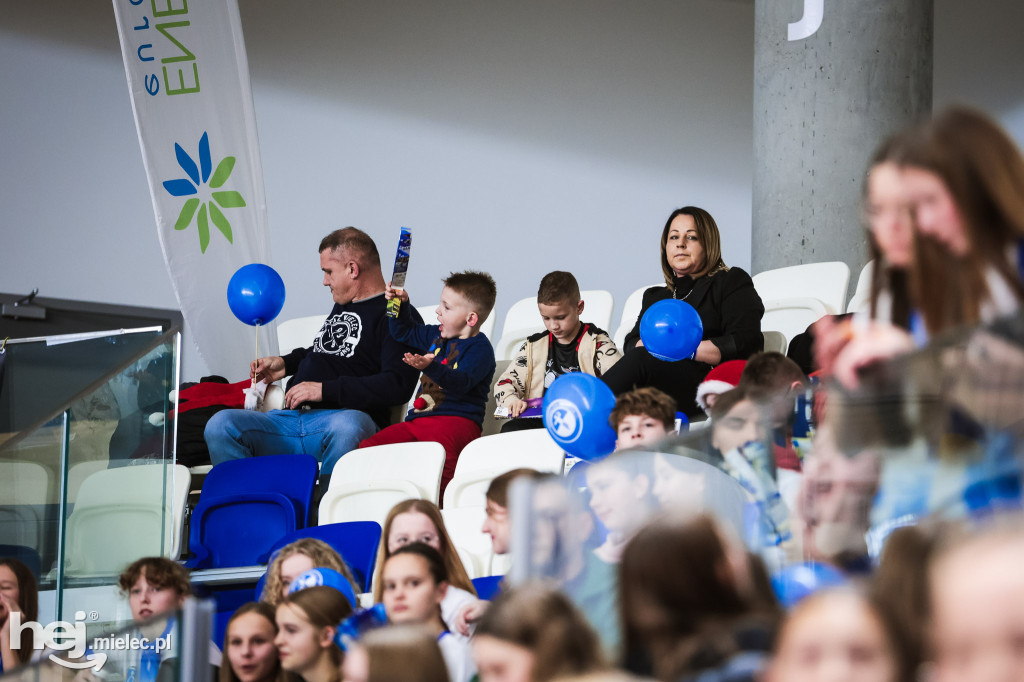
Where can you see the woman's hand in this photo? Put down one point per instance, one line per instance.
(878, 343)
(830, 338)
(708, 352)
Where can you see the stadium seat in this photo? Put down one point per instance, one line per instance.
(79, 472)
(298, 332)
(788, 306)
(491, 425)
(828, 282)
(630, 311)
(121, 515)
(861, 299)
(26, 489)
(246, 505)
(775, 341)
(473, 545)
(355, 541)
(523, 319)
(487, 587)
(791, 316)
(488, 456)
(26, 555)
(367, 482)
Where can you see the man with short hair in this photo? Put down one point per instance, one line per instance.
(343, 386)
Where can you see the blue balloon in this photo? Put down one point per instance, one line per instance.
(799, 581)
(671, 330)
(256, 293)
(326, 577)
(576, 410)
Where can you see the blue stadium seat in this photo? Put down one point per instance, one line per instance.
(355, 541)
(246, 505)
(488, 587)
(26, 555)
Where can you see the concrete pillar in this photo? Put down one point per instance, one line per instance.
(822, 103)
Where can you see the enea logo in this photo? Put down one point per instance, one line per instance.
(198, 177)
(564, 420)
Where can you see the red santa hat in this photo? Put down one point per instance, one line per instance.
(720, 379)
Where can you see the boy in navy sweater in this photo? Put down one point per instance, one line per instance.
(457, 365)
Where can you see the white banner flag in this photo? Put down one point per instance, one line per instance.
(189, 82)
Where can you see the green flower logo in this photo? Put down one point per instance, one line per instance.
(199, 175)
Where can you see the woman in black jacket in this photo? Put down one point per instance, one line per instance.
(724, 297)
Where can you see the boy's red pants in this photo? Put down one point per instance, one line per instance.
(453, 433)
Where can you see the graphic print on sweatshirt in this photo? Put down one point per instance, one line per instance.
(340, 335)
(431, 395)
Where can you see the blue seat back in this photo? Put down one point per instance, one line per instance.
(247, 505)
(487, 587)
(355, 541)
(26, 555)
(291, 475)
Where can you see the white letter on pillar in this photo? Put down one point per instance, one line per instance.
(809, 24)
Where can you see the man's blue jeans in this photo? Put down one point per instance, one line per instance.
(325, 434)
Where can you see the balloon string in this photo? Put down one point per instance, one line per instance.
(257, 352)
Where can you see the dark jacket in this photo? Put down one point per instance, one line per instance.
(729, 308)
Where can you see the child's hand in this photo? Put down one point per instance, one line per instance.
(420, 362)
(516, 407)
(468, 615)
(390, 293)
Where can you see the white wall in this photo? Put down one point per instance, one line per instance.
(513, 137)
(978, 57)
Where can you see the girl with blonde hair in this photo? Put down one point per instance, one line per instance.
(295, 559)
(420, 521)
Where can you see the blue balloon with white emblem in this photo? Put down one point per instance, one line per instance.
(796, 582)
(326, 577)
(256, 294)
(576, 411)
(671, 330)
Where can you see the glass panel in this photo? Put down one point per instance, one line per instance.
(573, 530)
(42, 375)
(90, 490)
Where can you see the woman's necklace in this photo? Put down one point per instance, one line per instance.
(675, 292)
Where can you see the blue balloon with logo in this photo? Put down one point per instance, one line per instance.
(326, 577)
(256, 294)
(671, 330)
(796, 582)
(576, 410)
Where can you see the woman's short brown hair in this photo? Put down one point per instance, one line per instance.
(707, 235)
